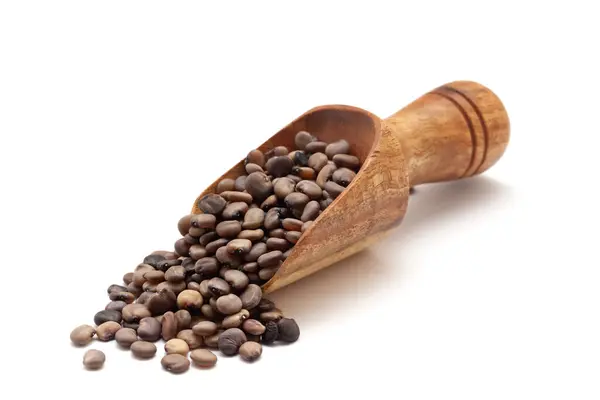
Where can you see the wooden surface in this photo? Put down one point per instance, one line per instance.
(455, 131)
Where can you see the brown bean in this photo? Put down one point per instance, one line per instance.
(270, 259)
(259, 186)
(218, 287)
(150, 329)
(255, 157)
(205, 221)
(325, 175)
(128, 278)
(82, 335)
(334, 189)
(339, 147)
(177, 346)
(257, 250)
(182, 247)
(213, 340)
(240, 183)
(207, 267)
(203, 358)
(190, 300)
(291, 224)
(272, 315)
(306, 225)
(311, 189)
(197, 252)
(251, 234)
(213, 246)
(295, 178)
(229, 229)
(193, 341)
(134, 290)
(175, 274)
(277, 233)
(162, 302)
(286, 254)
(250, 267)
(106, 331)
(346, 161)
(235, 320)
(293, 236)
(207, 238)
(176, 287)
(230, 341)
(183, 319)
(279, 166)
(343, 176)
(316, 147)
(302, 139)
(125, 337)
(208, 311)
(183, 225)
(317, 161)
(144, 297)
(311, 211)
(169, 325)
(251, 296)
(272, 220)
(212, 203)
(175, 363)
(277, 244)
(250, 351)
(229, 304)
(283, 187)
(250, 168)
(235, 210)
(93, 359)
(236, 279)
(305, 173)
(142, 349)
(253, 327)
(117, 305)
(299, 157)
(269, 203)
(295, 201)
(239, 246)
(238, 197)
(135, 312)
(205, 328)
(228, 259)
(267, 273)
(225, 185)
(253, 219)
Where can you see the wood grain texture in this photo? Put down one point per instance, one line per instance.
(453, 132)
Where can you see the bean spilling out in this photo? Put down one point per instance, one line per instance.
(205, 295)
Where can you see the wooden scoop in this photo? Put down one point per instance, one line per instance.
(455, 131)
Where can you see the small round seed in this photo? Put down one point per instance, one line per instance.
(270, 259)
(251, 296)
(255, 157)
(250, 351)
(175, 363)
(175, 274)
(190, 299)
(225, 185)
(317, 161)
(235, 210)
(230, 341)
(177, 346)
(107, 315)
(302, 139)
(283, 187)
(203, 358)
(183, 319)
(259, 186)
(296, 201)
(142, 349)
(236, 279)
(193, 341)
(229, 229)
(205, 328)
(253, 327)
(150, 329)
(288, 330)
(339, 147)
(257, 250)
(325, 175)
(183, 225)
(93, 359)
(106, 331)
(82, 335)
(218, 287)
(229, 304)
(212, 204)
(235, 320)
(135, 312)
(125, 337)
(316, 147)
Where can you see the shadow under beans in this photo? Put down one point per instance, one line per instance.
(357, 278)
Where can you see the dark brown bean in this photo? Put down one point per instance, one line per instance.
(82, 335)
(175, 274)
(235, 320)
(191, 240)
(272, 220)
(296, 201)
(270, 259)
(269, 203)
(283, 187)
(176, 287)
(116, 288)
(135, 312)
(150, 286)
(93, 359)
(272, 315)
(277, 244)
(286, 254)
(253, 218)
(235, 210)
(311, 211)
(212, 203)
(218, 287)
(271, 333)
(302, 139)
(183, 319)
(316, 147)
(228, 259)
(123, 296)
(251, 234)
(255, 279)
(229, 304)
(128, 278)
(346, 161)
(175, 363)
(257, 250)
(250, 168)
(238, 196)
(169, 326)
(205, 328)
(293, 236)
(343, 176)
(325, 203)
(265, 305)
(251, 296)
(193, 341)
(240, 183)
(277, 233)
(162, 302)
(279, 166)
(134, 290)
(229, 229)
(310, 188)
(317, 161)
(207, 238)
(250, 351)
(291, 224)
(255, 157)
(196, 232)
(259, 186)
(253, 327)
(207, 267)
(225, 185)
(142, 349)
(197, 252)
(153, 259)
(334, 189)
(250, 267)
(150, 329)
(115, 305)
(299, 157)
(236, 279)
(204, 290)
(295, 178)
(203, 358)
(230, 341)
(205, 221)
(325, 175)
(106, 331)
(288, 330)
(190, 300)
(239, 246)
(107, 315)
(182, 247)
(267, 273)
(280, 151)
(213, 246)
(144, 297)
(339, 147)
(208, 311)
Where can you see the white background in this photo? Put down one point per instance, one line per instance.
(114, 115)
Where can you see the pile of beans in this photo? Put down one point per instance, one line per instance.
(206, 294)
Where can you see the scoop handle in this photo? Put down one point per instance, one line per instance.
(455, 131)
